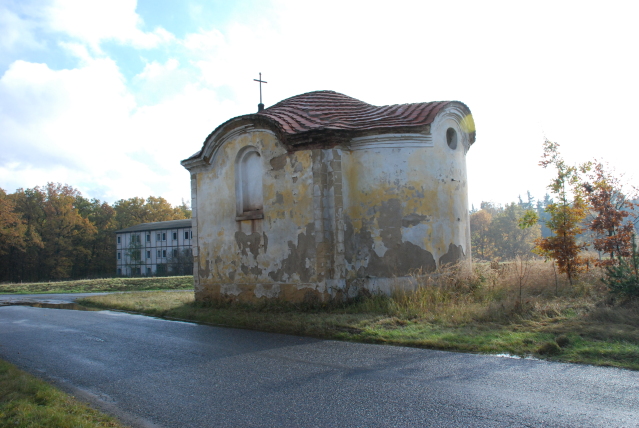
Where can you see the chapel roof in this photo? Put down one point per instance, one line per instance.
(331, 110)
(328, 118)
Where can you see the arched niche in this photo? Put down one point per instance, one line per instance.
(249, 196)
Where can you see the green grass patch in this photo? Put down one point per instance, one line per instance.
(560, 328)
(26, 401)
(100, 285)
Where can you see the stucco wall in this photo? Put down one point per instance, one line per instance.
(405, 209)
(367, 214)
(270, 257)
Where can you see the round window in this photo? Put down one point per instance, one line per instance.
(451, 138)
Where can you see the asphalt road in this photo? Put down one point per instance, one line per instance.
(153, 372)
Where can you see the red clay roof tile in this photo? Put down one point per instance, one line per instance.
(329, 110)
(329, 118)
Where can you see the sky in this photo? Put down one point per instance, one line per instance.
(110, 96)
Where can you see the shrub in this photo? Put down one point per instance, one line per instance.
(623, 278)
(562, 340)
(549, 349)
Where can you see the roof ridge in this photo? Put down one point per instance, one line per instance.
(325, 109)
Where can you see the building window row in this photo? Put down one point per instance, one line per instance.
(160, 236)
(160, 253)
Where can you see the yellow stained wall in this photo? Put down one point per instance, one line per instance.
(405, 209)
(336, 220)
(269, 257)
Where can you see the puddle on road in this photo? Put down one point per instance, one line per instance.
(516, 357)
(68, 306)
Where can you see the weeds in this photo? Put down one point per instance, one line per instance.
(26, 401)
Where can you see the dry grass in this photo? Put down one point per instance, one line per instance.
(521, 308)
(497, 293)
(157, 303)
(100, 285)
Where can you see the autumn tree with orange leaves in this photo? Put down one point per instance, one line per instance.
(613, 213)
(12, 227)
(53, 232)
(567, 212)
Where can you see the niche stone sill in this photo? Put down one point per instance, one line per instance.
(250, 215)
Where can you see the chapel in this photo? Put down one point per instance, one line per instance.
(322, 196)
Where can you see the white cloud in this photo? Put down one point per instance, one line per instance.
(155, 70)
(96, 21)
(69, 123)
(204, 42)
(77, 50)
(16, 32)
(158, 81)
(82, 127)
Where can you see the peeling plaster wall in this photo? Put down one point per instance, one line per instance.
(335, 220)
(405, 211)
(270, 257)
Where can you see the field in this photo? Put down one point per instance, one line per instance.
(518, 309)
(100, 285)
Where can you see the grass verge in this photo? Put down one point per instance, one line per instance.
(491, 311)
(26, 401)
(100, 285)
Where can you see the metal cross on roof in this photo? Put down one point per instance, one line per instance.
(260, 106)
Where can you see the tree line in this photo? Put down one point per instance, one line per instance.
(54, 233)
(496, 233)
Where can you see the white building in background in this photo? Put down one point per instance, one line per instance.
(148, 249)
